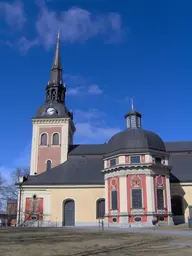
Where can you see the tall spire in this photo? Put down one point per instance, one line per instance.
(56, 71)
(55, 90)
(57, 59)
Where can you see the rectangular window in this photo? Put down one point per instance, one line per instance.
(136, 198)
(113, 162)
(135, 159)
(114, 200)
(158, 160)
(160, 199)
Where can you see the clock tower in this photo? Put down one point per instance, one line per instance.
(53, 126)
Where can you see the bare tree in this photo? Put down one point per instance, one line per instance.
(10, 189)
(2, 191)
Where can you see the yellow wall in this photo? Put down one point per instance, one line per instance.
(85, 203)
(184, 190)
(85, 200)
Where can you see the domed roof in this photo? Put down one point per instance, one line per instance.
(135, 140)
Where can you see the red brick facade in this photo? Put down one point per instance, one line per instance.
(49, 152)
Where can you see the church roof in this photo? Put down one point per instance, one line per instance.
(181, 167)
(77, 170)
(135, 140)
(85, 163)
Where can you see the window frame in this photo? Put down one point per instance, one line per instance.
(158, 158)
(47, 165)
(135, 156)
(58, 139)
(141, 189)
(162, 189)
(112, 159)
(111, 208)
(40, 143)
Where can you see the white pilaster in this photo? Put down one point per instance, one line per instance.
(123, 193)
(106, 197)
(123, 200)
(150, 194)
(34, 150)
(64, 141)
(170, 220)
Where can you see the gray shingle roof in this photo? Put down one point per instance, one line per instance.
(178, 146)
(88, 149)
(134, 139)
(181, 167)
(77, 170)
(85, 163)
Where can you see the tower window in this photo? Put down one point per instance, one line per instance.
(135, 159)
(136, 198)
(44, 139)
(48, 164)
(158, 160)
(55, 140)
(113, 162)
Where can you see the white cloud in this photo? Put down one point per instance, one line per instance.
(24, 44)
(76, 90)
(77, 24)
(13, 14)
(89, 133)
(94, 89)
(91, 127)
(90, 114)
(80, 90)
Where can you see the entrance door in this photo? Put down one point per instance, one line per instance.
(69, 213)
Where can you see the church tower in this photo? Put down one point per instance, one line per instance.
(53, 126)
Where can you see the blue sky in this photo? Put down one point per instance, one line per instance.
(110, 53)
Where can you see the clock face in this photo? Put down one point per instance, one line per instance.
(50, 111)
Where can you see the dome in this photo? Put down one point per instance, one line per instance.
(135, 140)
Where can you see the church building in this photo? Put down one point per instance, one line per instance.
(135, 179)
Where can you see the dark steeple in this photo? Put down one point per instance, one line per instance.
(133, 118)
(55, 90)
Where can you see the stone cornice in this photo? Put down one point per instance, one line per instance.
(49, 120)
(129, 171)
(126, 172)
(135, 166)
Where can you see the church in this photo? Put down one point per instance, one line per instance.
(134, 180)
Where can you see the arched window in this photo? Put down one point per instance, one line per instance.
(55, 140)
(48, 164)
(100, 208)
(44, 139)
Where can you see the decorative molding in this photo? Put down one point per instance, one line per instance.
(140, 165)
(161, 211)
(137, 211)
(128, 172)
(136, 181)
(113, 183)
(50, 120)
(114, 212)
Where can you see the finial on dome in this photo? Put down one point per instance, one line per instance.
(132, 105)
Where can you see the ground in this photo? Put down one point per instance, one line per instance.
(87, 242)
